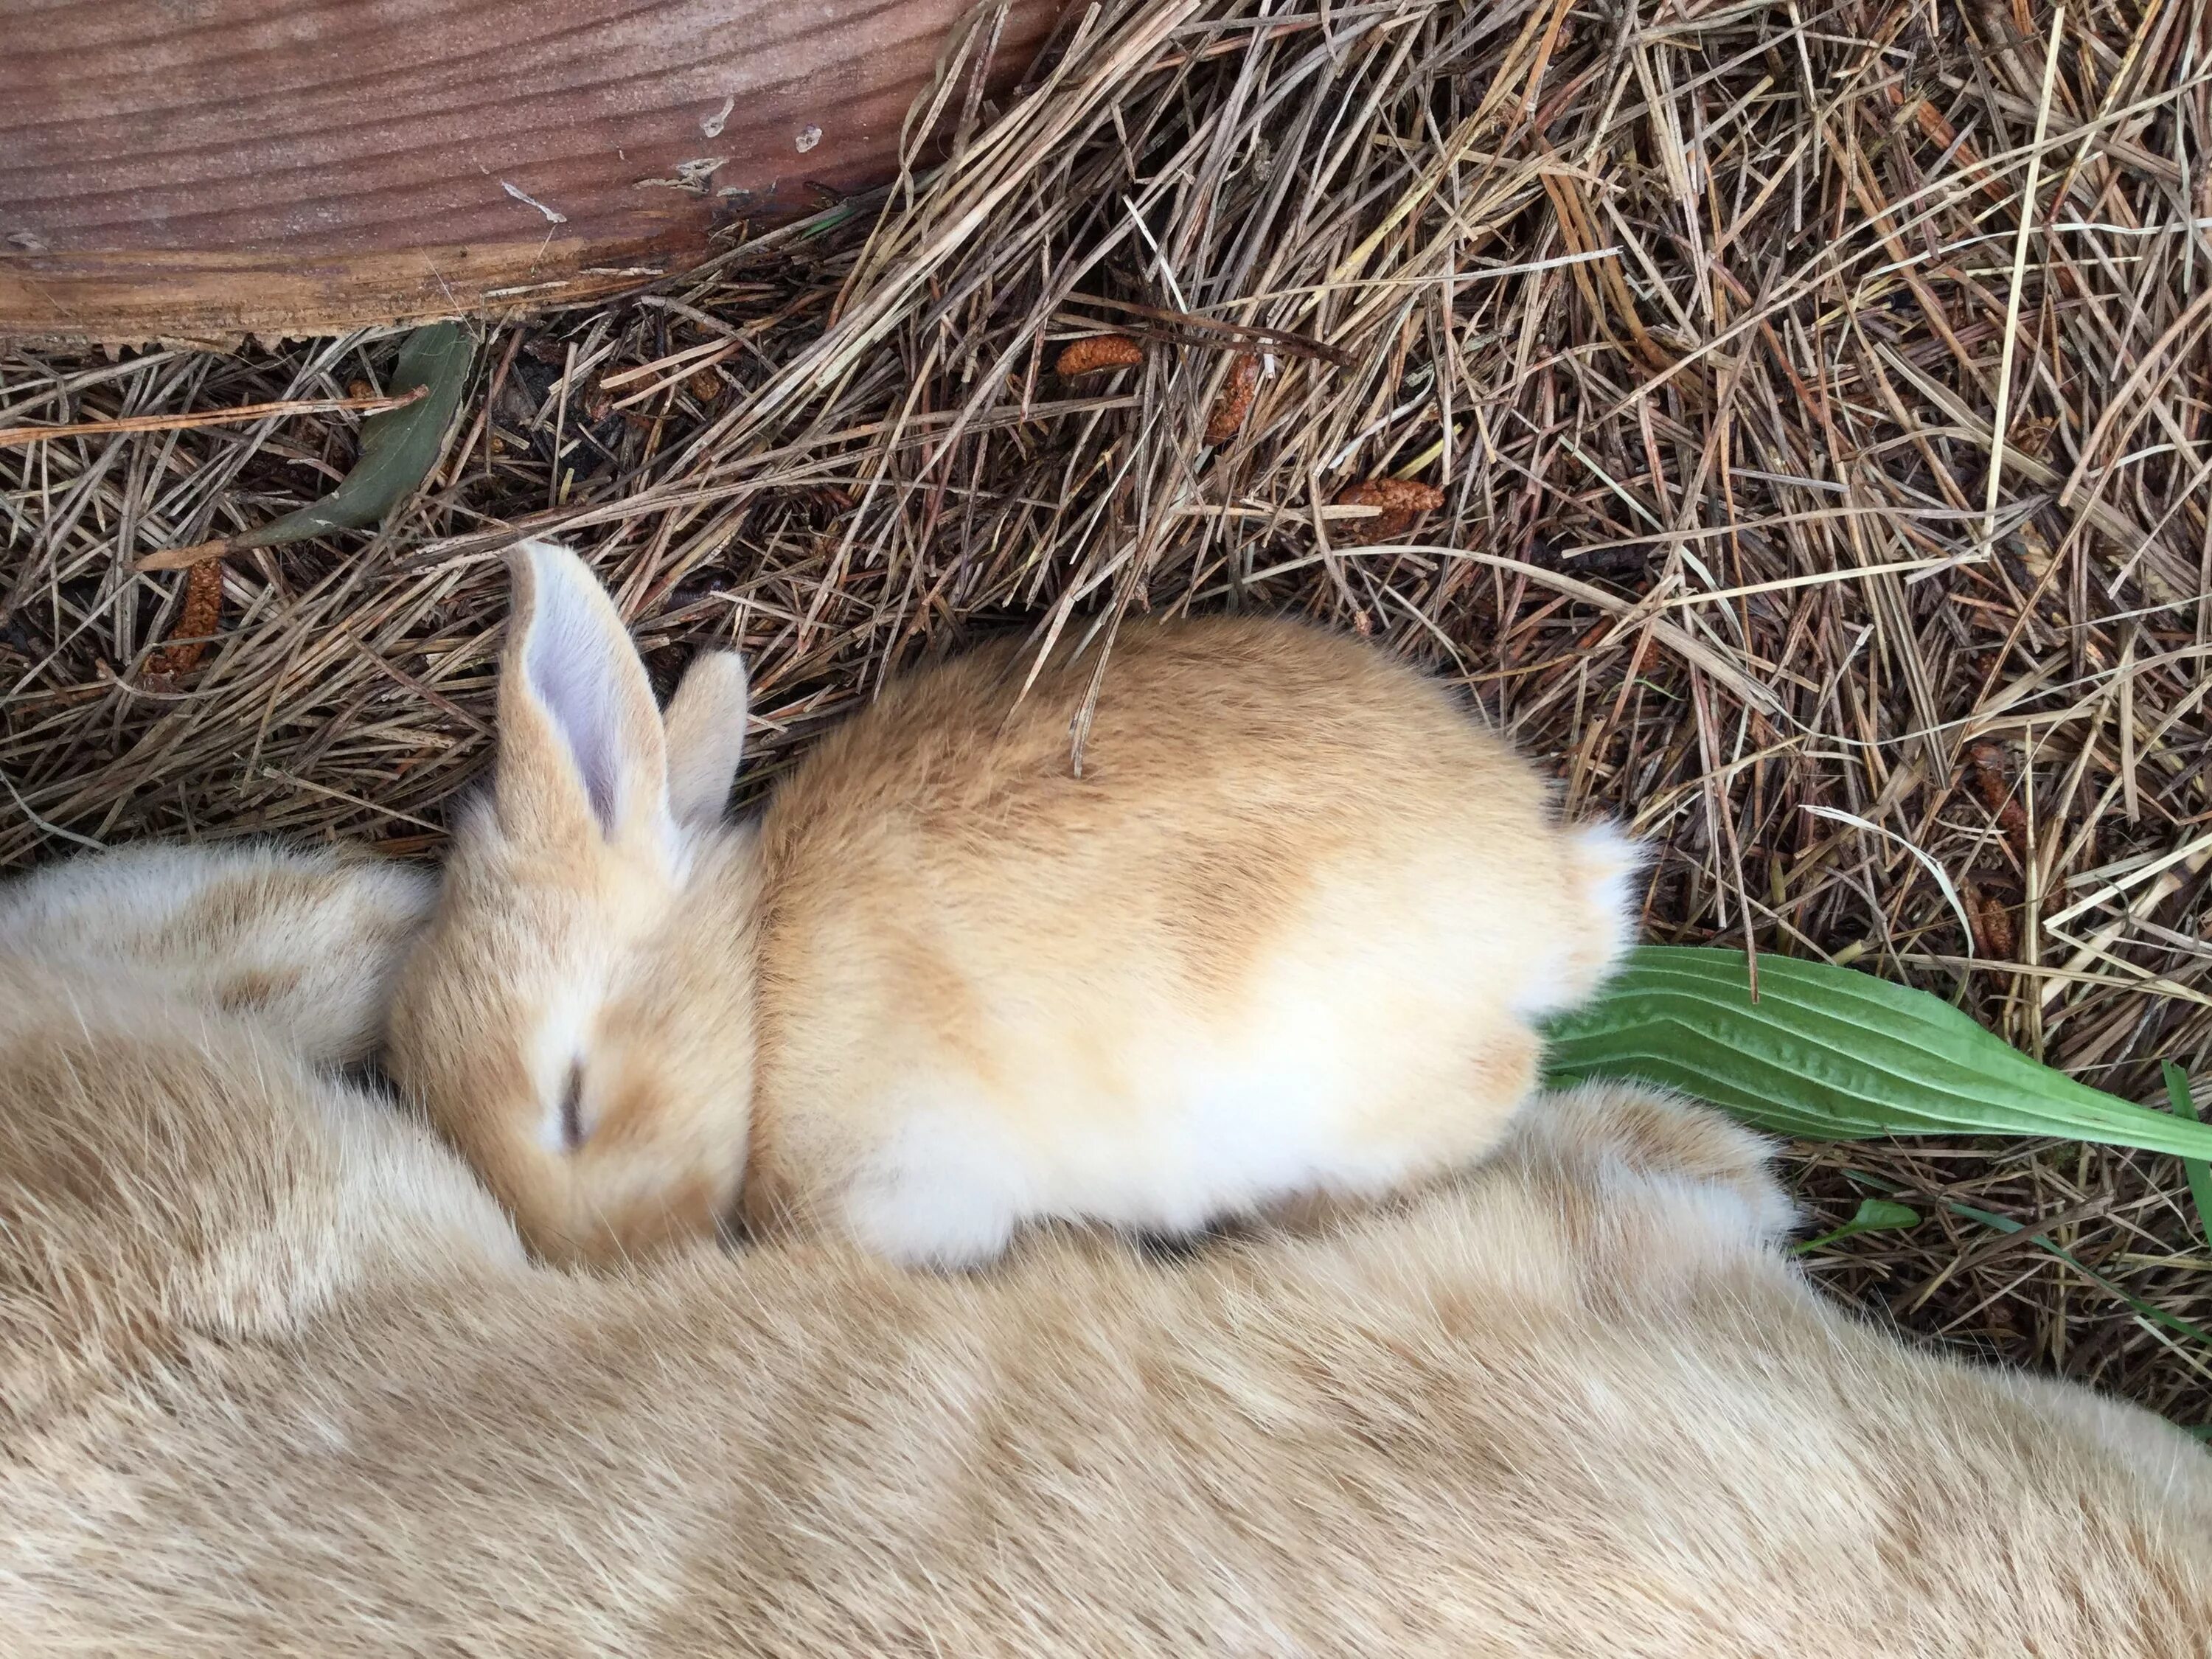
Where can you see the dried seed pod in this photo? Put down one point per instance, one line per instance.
(1995, 939)
(202, 615)
(1226, 418)
(1095, 352)
(1988, 774)
(1402, 501)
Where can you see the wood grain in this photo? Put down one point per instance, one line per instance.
(201, 170)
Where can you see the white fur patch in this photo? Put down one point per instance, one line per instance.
(1612, 868)
(943, 1192)
(1603, 869)
(558, 1042)
(1197, 1122)
(1359, 1053)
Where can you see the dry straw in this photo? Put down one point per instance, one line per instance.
(1699, 318)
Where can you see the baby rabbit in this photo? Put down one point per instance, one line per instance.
(276, 1377)
(1286, 930)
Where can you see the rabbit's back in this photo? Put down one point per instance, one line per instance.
(1227, 766)
(1571, 1403)
(1158, 985)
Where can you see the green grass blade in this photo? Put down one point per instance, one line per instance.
(2198, 1171)
(2006, 1225)
(1832, 1054)
(1873, 1215)
(2148, 1310)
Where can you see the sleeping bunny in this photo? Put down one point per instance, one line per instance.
(1287, 931)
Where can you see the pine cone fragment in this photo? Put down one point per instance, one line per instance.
(1226, 418)
(201, 615)
(1095, 352)
(1402, 501)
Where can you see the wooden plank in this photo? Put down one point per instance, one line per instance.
(201, 170)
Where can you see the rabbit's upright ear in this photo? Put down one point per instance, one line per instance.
(706, 737)
(581, 750)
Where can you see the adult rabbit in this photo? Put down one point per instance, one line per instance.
(277, 1376)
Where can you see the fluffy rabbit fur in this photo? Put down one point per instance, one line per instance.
(276, 1376)
(1287, 931)
(307, 942)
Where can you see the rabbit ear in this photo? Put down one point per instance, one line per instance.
(706, 736)
(581, 747)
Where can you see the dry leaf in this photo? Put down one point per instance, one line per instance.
(1402, 501)
(2034, 549)
(2031, 436)
(1226, 417)
(399, 447)
(1096, 352)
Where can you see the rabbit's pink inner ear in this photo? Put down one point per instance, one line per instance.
(706, 728)
(576, 701)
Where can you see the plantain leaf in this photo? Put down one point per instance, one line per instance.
(1873, 1215)
(398, 446)
(1832, 1054)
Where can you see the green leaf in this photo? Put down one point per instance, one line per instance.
(2198, 1171)
(1832, 1053)
(1873, 1215)
(398, 446)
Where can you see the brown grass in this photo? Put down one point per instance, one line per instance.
(1812, 489)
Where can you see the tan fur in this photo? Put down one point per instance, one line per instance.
(306, 941)
(278, 1378)
(1286, 930)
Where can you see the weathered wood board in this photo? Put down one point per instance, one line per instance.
(201, 170)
